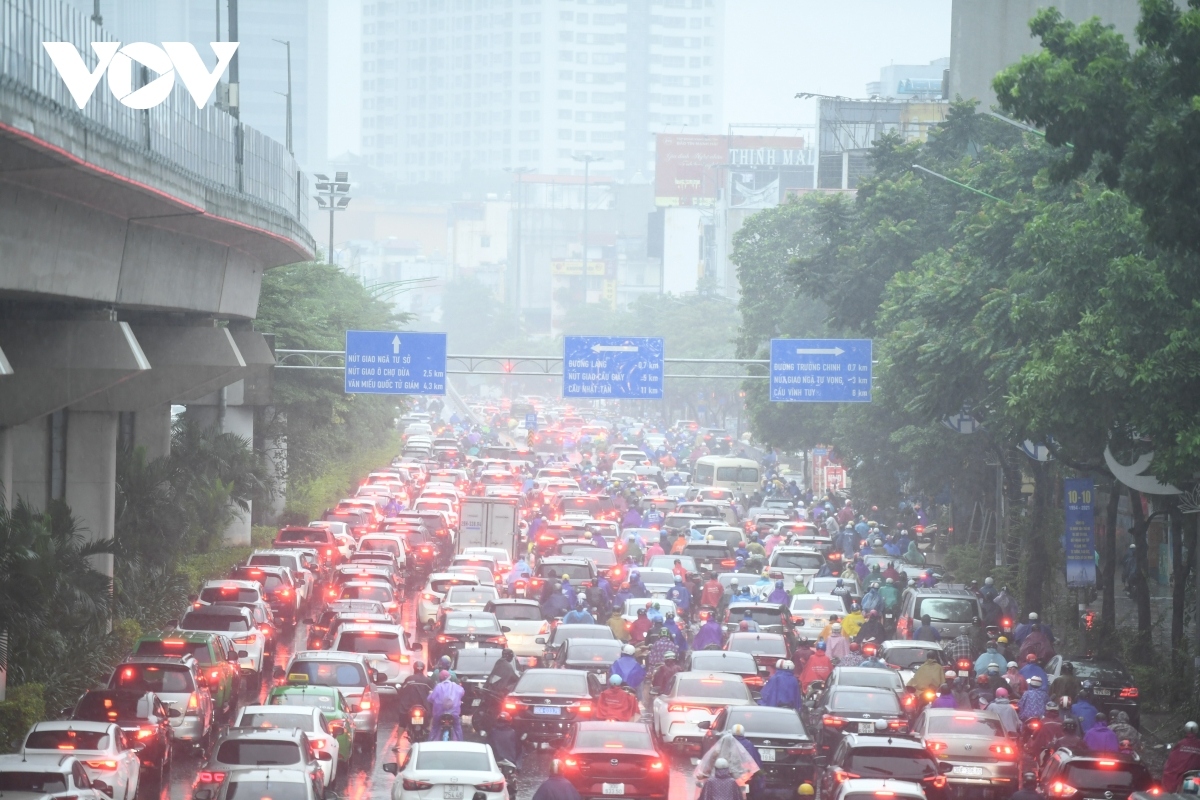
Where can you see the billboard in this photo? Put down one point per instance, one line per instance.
(757, 170)
(684, 173)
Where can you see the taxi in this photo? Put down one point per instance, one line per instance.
(332, 704)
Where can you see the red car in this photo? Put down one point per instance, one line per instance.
(615, 758)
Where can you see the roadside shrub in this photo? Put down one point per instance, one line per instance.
(25, 705)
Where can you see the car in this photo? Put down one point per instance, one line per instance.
(562, 632)
(385, 646)
(581, 571)
(811, 613)
(238, 624)
(52, 777)
(974, 743)
(468, 598)
(263, 619)
(877, 789)
(107, 754)
(1113, 688)
(826, 585)
(305, 718)
(240, 748)
(735, 663)
(856, 709)
(143, 717)
(546, 704)
(667, 561)
(1066, 775)
(378, 590)
(907, 655)
(319, 626)
(615, 759)
(277, 783)
(216, 591)
(692, 698)
(319, 539)
(473, 668)
(465, 630)
(766, 648)
(866, 676)
(279, 588)
(214, 654)
(429, 599)
(787, 751)
(635, 604)
(868, 756)
(449, 770)
(347, 672)
(590, 655)
(770, 617)
(603, 558)
(952, 610)
(338, 714)
(522, 623)
(302, 569)
(177, 682)
(658, 581)
(714, 556)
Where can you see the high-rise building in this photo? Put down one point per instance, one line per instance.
(457, 88)
(910, 81)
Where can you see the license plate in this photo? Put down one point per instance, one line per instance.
(549, 711)
(706, 565)
(452, 792)
(1102, 692)
(973, 772)
(766, 753)
(866, 727)
(613, 788)
(475, 702)
(471, 645)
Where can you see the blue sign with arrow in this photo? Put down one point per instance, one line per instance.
(613, 367)
(821, 370)
(395, 362)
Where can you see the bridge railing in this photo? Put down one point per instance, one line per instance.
(203, 142)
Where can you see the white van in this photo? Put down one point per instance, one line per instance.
(742, 475)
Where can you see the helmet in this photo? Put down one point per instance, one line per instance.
(504, 716)
(888, 581)
(1070, 725)
(993, 668)
(1001, 692)
(1012, 665)
(878, 542)
(614, 680)
(1033, 617)
(821, 646)
(743, 625)
(663, 633)
(628, 650)
(988, 581)
(779, 663)
(443, 675)
(840, 582)
(1004, 640)
(854, 647)
(951, 674)
(739, 730)
(679, 579)
(669, 655)
(419, 666)
(721, 763)
(779, 584)
(444, 661)
(507, 653)
(1036, 680)
(1030, 658)
(1191, 727)
(733, 582)
(836, 627)
(805, 790)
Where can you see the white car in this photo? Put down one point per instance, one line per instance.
(46, 778)
(827, 584)
(429, 599)
(306, 581)
(444, 507)
(468, 598)
(449, 770)
(385, 647)
(309, 719)
(498, 554)
(635, 604)
(522, 623)
(787, 562)
(815, 610)
(695, 697)
(99, 746)
(238, 624)
(906, 655)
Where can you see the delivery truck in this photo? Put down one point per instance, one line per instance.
(489, 522)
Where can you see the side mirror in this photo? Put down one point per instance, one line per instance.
(174, 713)
(391, 768)
(704, 724)
(278, 673)
(505, 629)
(540, 640)
(821, 761)
(308, 621)
(101, 786)
(202, 681)
(378, 677)
(172, 623)
(137, 747)
(324, 756)
(67, 712)
(242, 654)
(945, 768)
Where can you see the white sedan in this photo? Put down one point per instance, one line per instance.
(523, 624)
(635, 604)
(99, 747)
(308, 719)
(693, 698)
(449, 770)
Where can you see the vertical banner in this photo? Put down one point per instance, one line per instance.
(1080, 539)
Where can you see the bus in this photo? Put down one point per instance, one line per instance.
(742, 475)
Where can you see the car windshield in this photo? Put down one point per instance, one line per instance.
(798, 560)
(154, 678)
(965, 725)
(517, 613)
(668, 562)
(302, 721)
(564, 682)
(380, 593)
(1113, 776)
(596, 652)
(475, 662)
(295, 698)
(872, 678)
(381, 642)
(866, 702)
(111, 706)
(469, 595)
(213, 594)
(907, 764)
(738, 663)
(763, 616)
(576, 572)
(737, 474)
(266, 790)
(441, 585)
(330, 673)
(706, 551)
(905, 657)
(67, 740)
(598, 555)
(713, 687)
(762, 721)
(226, 623)
(454, 760)
(600, 738)
(317, 536)
(251, 752)
(767, 646)
(1104, 673)
(483, 624)
(34, 782)
(382, 545)
(948, 609)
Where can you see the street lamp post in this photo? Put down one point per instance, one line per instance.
(288, 136)
(518, 171)
(587, 159)
(332, 195)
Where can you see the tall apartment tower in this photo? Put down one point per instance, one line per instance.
(458, 88)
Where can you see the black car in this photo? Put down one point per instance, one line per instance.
(877, 757)
(855, 709)
(564, 632)
(465, 630)
(472, 668)
(145, 720)
(787, 752)
(1073, 776)
(1113, 688)
(595, 656)
(546, 704)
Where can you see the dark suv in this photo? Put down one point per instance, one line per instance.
(1113, 688)
(787, 751)
(144, 718)
(1070, 776)
(876, 757)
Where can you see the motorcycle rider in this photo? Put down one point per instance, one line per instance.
(414, 690)
(1100, 738)
(1083, 710)
(555, 604)
(852, 623)
(872, 629)
(837, 646)
(504, 674)
(1070, 737)
(505, 741)
(1003, 709)
(929, 675)
(556, 787)
(446, 699)
(662, 676)
(926, 632)
(580, 614)
(1028, 790)
(782, 689)
(617, 625)
(1066, 684)
(991, 657)
(680, 596)
(1033, 702)
(817, 668)
(1032, 668)
(615, 703)
(1183, 758)
(628, 669)
(872, 659)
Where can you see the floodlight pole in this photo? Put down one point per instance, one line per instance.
(587, 160)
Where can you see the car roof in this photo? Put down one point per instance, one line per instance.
(515, 601)
(230, 582)
(468, 747)
(869, 740)
(603, 725)
(72, 724)
(262, 733)
(872, 785)
(742, 635)
(12, 762)
(710, 674)
(916, 644)
(278, 709)
(327, 655)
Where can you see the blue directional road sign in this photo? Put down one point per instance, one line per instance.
(395, 362)
(821, 370)
(531, 421)
(612, 367)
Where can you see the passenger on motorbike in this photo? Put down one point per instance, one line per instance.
(446, 701)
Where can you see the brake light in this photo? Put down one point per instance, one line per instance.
(1060, 789)
(429, 597)
(145, 732)
(244, 640)
(585, 708)
(656, 765)
(416, 786)
(728, 562)
(494, 786)
(840, 775)
(266, 629)
(964, 665)
(328, 552)
(418, 715)
(1108, 763)
(365, 705)
(1155, 790)
(102, 764)
(285, 592)
(936, 747)
(882, 793)
(1004, 751)
(173, 643)
(897, 724)
(1129, 691)
(210, 777)
(497, 640)
(193, 706)
(510, 706)
(832, 722)
(803, 750)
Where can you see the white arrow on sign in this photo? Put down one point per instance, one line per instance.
(614, 348)
(395, 345)
(817, 351)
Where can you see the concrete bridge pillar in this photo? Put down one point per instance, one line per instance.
(91, 476)
(152, 431)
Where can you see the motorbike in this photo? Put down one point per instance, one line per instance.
(509, 771)
(520, 589)
(418, 724)
(446, 734)
(483, 715)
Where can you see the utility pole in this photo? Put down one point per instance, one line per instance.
(587, 160)
(234, 99)
(332, 196)
(217, 8)
(288, 137)
(96, 18)
(518, 171)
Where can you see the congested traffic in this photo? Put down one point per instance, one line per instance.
(584, 606)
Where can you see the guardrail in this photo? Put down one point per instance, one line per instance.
(202, 142)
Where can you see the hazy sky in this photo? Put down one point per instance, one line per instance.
(773, 49)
